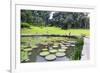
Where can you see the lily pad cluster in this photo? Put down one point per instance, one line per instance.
(26, 51)
(52, 54)
(57, 50)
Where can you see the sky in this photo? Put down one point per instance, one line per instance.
(51, 15)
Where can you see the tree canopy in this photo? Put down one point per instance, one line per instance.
(64, 20)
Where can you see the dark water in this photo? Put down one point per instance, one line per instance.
(35, 57)
(41, 59)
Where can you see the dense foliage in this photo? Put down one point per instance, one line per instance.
(63, 20)
(75, 53)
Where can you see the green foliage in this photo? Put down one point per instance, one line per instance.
(64, 20)
(34, 17)
(76, 55)
(24, 56)
(25, 25)
(26, 16)
(67, 20)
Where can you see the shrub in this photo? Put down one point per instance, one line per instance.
(25, 25)
(78, 49)
(76, 52)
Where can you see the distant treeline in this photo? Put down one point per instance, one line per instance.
(64, 20)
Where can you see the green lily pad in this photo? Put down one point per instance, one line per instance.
(60, 54)
(45, 49)
(52, 50)
(34, 46)
(44, 53)
(45, 44)
(29, 53)
(73, 42)
(24, 55)
(50, 57)
(28, 49)
(61, 50)
(55, 46)
(27, 60)
(23, 46)
(72, 45)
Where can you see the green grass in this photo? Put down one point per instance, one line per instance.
(53, 30)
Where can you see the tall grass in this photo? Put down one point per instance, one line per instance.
(76, 55)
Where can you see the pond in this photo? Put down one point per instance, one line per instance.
(44, 49)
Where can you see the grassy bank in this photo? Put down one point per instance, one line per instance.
(53, 30)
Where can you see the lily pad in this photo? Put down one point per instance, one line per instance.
(61, 50)
(28, 49)
(45, 44)
(29, 53)
(60, 54)
(23, 46)
(44, 53)
(72, 42)
(24, 55)
(72, 45)
(55, 46)
(34, 46)
(50, 57)
(52, 50)
(27, 60)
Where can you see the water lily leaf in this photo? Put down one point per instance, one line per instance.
(52, 50)
(44, 53)
(50, 57)
(60, 54)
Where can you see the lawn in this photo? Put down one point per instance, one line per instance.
(53, 30)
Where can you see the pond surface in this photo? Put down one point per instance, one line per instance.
(33, 46)
(41, 59)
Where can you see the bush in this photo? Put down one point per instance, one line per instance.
(25, 25)
(76, 55)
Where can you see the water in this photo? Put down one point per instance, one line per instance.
(37, 40)
(41, 59)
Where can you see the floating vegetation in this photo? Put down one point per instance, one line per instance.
(55, 46)
(60, 54)
(34, 46)
(61, 50)
(45, 49)
(50, 57)
(28, 49)
(30, 53)
(24, 56)
(52, 50)
(49, 49)
(44, 53)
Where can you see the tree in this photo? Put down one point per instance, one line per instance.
(26, 16)
(64, 20)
